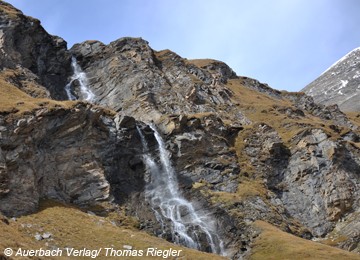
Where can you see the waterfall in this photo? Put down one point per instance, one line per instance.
(80, 77)
(189, 227)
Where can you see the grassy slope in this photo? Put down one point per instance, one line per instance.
(13, 100)
(259, 107)
(276, 244)
(71, 227)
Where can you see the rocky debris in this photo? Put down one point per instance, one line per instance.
(46, 235)
(38, 237)
(128, 247)
(43, 236)
(90, 213)
(339, 84)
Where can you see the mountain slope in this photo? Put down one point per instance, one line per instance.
(340, 84)
(95, 232)
(241, 151)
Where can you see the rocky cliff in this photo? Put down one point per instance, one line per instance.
(241, 150)
(339, 84)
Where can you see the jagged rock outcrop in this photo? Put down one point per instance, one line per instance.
(331, 113)
(24, 44)
(128, 76)
(339, 84)
(321, 182)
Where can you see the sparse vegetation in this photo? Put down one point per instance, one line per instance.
(201, 62)
(247, 188)
(13, 100)
(259, 107)
(72, 227)
(276, 244)
(13, 13)
(354, 117)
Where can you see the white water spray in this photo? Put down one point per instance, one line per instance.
(80, 76)
(188, 226)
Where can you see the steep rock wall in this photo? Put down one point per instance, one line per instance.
(25, 44)
(76, 155)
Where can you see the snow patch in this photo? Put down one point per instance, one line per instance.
(344, 83)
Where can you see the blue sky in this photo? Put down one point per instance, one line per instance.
(285, 43)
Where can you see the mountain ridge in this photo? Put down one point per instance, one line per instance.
(339, 84)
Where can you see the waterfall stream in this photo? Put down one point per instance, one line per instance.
(189, 226)
(78, 75)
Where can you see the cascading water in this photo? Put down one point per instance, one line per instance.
(189, 227)
(80, 77)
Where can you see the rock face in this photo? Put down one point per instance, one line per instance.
(340, 84)
(321, 180)
(70, 155)
(24, 44)
(241, 150)
(128, 76)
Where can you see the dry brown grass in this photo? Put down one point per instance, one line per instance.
(71, 227)
(13, 100)
(28, 86)
(159, 54)
(247, 188)
(276, 244)
(16, 102)
(201, 62)
(354, 117)
(11, 237)
(4, 8)
(261, 108)
(164, 54)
